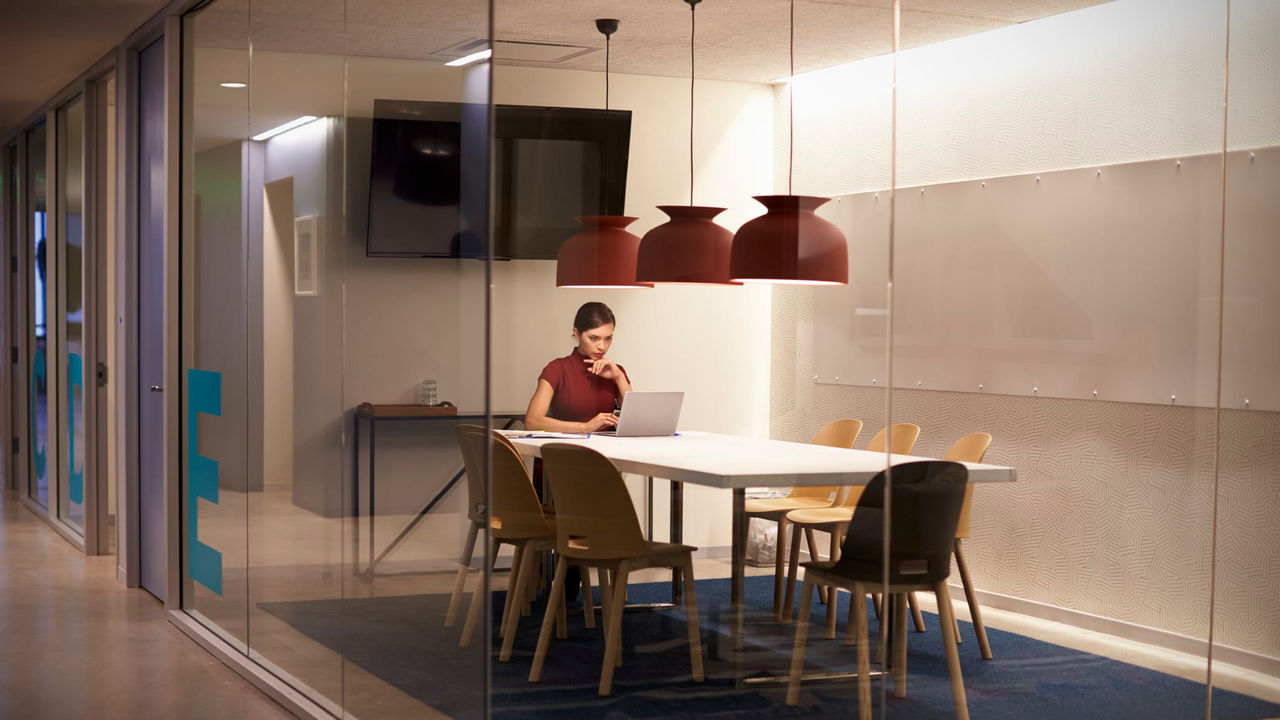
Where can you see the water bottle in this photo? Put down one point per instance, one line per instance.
(427, 393)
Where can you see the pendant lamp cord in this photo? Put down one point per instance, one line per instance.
(604, 177)
(791, 101)
(693, 15)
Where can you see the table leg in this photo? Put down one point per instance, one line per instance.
(648, 506)
(373, 435)
(677, 536)
(737, 575)
(355, 491)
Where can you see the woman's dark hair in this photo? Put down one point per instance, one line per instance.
(593, 315)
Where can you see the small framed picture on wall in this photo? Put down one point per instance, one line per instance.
(306, 255)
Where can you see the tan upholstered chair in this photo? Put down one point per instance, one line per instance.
(970, 448)
(834, 519)
(838, 433)
(596, 526)
(517, 518)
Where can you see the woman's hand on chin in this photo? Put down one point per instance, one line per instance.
(603, 421)
(604, 367)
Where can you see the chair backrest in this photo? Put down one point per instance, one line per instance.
(970, 448)
(837, 433)
(925, 499)
(594, 515)
(516, 510)
(904, 441)
(904, 438)
(471, 443)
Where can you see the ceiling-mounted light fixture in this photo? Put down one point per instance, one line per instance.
(233, 85)
(688, 248)
(789, 244)
(292, 124)
(473, 57)
(603, 254)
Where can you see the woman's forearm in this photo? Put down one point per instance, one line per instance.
(542, 422)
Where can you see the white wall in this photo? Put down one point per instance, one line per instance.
(277, 332)
(411, 320)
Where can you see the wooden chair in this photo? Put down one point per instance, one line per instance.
(833, 519)
(970, 448)
(924, 510)
(838, 433)
(596, 526)
(517, 518)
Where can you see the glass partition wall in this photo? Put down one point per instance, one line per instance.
(322, 503)
(1037, 250)
(1246, 605)
(46, 209)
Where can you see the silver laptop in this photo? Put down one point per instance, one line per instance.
(648, 414)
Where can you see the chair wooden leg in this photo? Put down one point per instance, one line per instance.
(606, 598)
(859, 603)
(875, 601)
(562, 616)
(837, 540)
(588, 603)
(793, 565)
(815, 556)
(900, 645)
(527, 558)
(531, 589)
(947, 616)
(882, 631)
(622, 603)
(849, 629)
(548, 619)
(473, 611)
(691, 617)
(916, 616)
(613, 641)
(975, 613)
(514, 588)
(779, 566)
(797, 650)
(831, 612)
(464, 569)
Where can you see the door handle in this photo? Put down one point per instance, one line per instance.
(157, 388)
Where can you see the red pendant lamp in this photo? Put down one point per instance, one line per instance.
(603, 254)
(789, 244)
(688, 248)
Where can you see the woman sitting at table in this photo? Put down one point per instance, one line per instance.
(580, 391)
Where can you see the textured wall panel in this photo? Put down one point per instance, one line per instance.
(1073, 282)
(1112, 511)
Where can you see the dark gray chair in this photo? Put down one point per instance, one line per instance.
(924, 508)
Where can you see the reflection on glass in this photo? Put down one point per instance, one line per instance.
(70, 153)
(217, 470)
(40, 451)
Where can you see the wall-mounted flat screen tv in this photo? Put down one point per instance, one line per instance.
(428, 177)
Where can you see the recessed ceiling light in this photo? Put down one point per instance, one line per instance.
(468, 59)
(232, 85)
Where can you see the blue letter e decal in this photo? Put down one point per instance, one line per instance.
(204, 395)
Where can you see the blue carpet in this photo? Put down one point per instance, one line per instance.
(401, 640)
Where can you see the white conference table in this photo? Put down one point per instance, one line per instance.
(736, 463)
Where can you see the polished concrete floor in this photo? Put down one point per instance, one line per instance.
(74, 643)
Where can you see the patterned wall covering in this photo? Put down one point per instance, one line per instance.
(1112, 511)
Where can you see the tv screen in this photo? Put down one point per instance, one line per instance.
(427, 189)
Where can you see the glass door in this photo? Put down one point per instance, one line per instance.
(70, 310)
(39, 343)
